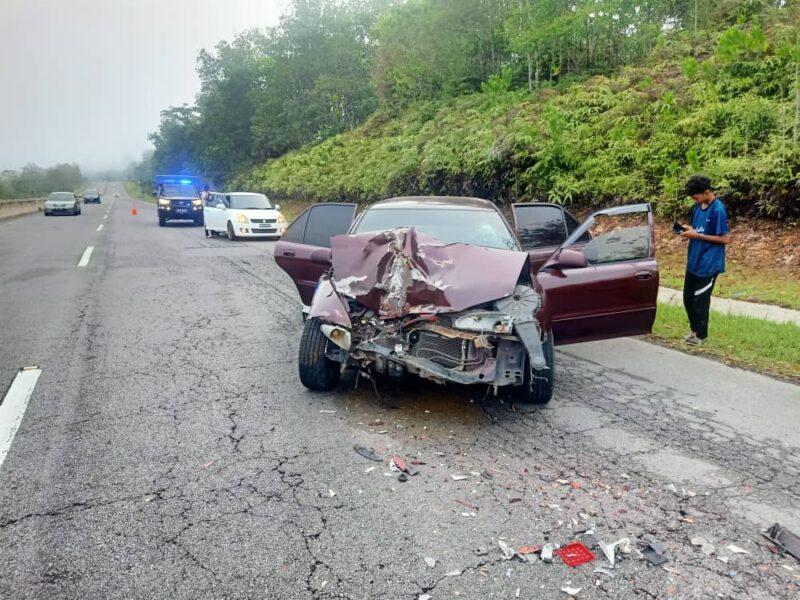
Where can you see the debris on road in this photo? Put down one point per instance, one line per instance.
(208, 464)
(571, 591)
(431, 562)
(508, 551)
(706, 547)
(402, 478)
(610, 550)
(481, 551)
(327, 412)
(367, 453)
(604, 571)
(454, 573)
(331, 493)
(424, 597)
(547, 553)
(575, 554)
(369, 469)
(785, 540)
(467, 504)
(457, 477)
(655, 553)
(736, 549)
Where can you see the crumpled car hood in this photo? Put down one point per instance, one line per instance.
(401, 272)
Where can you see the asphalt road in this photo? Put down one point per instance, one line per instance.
(169, 450)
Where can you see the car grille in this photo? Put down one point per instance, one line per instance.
(263, 220)
(452, 353)
(181, 203)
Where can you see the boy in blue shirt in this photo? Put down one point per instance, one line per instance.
(708, 237)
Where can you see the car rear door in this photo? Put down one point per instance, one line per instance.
(310, 231)
(211, 212)
(614, 294)
(542, 228)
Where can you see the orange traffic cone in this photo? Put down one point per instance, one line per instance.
(134, 212)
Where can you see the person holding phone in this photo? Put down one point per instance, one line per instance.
(708, 235)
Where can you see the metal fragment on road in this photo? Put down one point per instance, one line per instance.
(430, 561)
(367, 453)
(785, 540)
(655, 553)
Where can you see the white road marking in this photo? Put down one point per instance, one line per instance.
(87, 254)
(13, 407)
(105, 216)
(100, 227)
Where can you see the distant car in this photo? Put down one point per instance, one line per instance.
(91, 196)
(116, 194)
(243, 214)
(62, 203)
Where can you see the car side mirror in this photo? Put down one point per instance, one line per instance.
(221, 206)
(277, 207)
(569, 259)
(155, 194)
(321, 257)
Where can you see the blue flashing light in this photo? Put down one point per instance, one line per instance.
(186, 181)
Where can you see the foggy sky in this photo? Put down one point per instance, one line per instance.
(84, 80)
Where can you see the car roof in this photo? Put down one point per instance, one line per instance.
(446, 202)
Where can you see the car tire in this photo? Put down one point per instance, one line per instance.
(317, 371)
(161, 221)
(231, 233)
(208, 233)
(537, 386)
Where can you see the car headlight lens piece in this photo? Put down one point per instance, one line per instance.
(163, 202)
(240, 218)
(197, 202)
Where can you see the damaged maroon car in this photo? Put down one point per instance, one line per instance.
(444, 288)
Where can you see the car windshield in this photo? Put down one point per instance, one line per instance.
(62, 196)
(254, 201)
(90, 193)
(474, 227)
(178, 190)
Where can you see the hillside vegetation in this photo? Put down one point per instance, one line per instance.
(634, 135)
(573, 101)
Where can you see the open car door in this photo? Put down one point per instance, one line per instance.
(602, 280)
(542, 228)
(310, 231)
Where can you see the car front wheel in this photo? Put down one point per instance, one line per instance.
(317, 371)
(537, 387)
(231, 233)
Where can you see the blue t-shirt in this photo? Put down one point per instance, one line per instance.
(706, 259)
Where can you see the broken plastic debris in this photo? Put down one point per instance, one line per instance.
(431, 562)
(604, 571)
(655, 553)
(575, 554)
(610, 550)
(369, 469)
(508, 551)
(736, 549)
(424, 597)
(571, 590)
(208, 464)
(723, 559)
(454, 573)
(468, 514)
(367, 453)
(785, 540)
(457, 477)
(327, 412)
(331, 493)
(529, 549)
(482, 551)
(547, 553)
(402, 478)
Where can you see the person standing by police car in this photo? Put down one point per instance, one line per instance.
(708, 235)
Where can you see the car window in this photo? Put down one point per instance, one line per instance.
(62, 196)
(540, 226)
(451, 226)
(616, 238)
(178, 190)
(325, 221)
(296, 230)
(249, 201)
(215, 199)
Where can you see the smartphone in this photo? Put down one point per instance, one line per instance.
(677, 228)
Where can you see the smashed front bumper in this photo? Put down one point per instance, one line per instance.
(489, 350)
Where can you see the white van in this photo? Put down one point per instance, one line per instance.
(242, 214)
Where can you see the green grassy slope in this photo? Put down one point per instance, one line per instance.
(633, 136)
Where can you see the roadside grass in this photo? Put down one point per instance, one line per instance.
(740, 282)
(772, 348)
(134, 190)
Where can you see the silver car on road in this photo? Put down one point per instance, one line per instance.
(62, 203)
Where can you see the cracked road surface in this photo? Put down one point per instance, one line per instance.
(169, 450)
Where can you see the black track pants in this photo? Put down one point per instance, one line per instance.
(697, 301)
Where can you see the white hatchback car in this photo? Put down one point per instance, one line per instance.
(242, 214)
